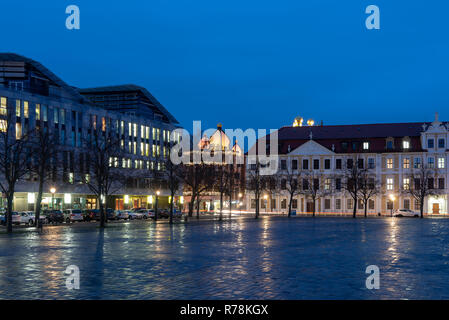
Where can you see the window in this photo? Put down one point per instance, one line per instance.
(55, 115)
(431, 162)
(344, 146)
(360, 163)
(389, 205)
(440, 163)
(360, 204)
(294, 164)
(371, 204)
(18, 108)
(26, 109)
(406, 163)
(349, 203)
(294, 203)
(284, 204)
(305, 184)
(430, 183)
(430, 143)
(417, 205)
(390, 144)
(273, 203)
(390, 163)
(316, 164)
(62, 117)
(389, 183)
(338, 204)
(441, 183)
(371, 163)
(283, 164)
(38, 111)
(327, 164)
(3, 105)
(253, 203)
(305, 164)
(417, 163)
(338, 184)
(355, 146)
(349, 163)
(407, 204)
(338, 163)
(441, 143)
(327, 204)
(283, 184)
(327, 184)
(44, 113)
(316, 184)
(365, 145)
(406, 144)
(406, 183)
(18, 130)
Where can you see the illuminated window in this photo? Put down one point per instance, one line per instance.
(327, 184)
(147, 133)
(122, 127)
(18, 130)
(406, 183)
(365, 145)
(406, 144)
(3, 106)
(441, 163)
(390, 163)
(135, 130)
(142, 149)
(390, 184)
(154, 150)
(38, 111)
(406, 163)
(103, 124)
(142, 132)
(25, 109)
(18, 108)
(3, 125)
(130, 129)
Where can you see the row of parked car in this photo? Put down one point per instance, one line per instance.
(78, 215)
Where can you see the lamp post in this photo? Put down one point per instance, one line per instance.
(155, 205)
(392, 198)
(52, 190)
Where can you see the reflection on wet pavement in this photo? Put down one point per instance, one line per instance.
(271, 258)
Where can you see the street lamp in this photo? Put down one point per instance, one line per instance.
(52, 190)
(392, 198)
(155, 206)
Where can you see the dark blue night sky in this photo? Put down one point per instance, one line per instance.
(249, 64)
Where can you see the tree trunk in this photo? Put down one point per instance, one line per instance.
(421, 209)
(366, 202)
(230, 205)
(191, 206)
(354, 210)
(198, 208)
(9, 212)
(313, 208)
(290, 206)
(37, 210)
(257, 207)
(221, 207)
(102, 213)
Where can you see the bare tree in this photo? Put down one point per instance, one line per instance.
(100, 169)
(352, 175)
(271, 187)
(422, 185)
(45, 164)
(312, 188)
(255, 184)
(368, 187)
(290, 183)
(233, 184)
(15, 160)
(221, 183)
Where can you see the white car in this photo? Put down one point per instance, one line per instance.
(405, 213)
(27, 217)
(121, 215)
(72, 215)
(16, 218)
(134, 215)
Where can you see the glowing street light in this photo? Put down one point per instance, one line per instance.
(155, 206)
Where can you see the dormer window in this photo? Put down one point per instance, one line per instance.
(430, 143)
(365, 145)
(406, 144)
(441, 143)
(389, 144)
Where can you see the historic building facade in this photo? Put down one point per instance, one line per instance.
(40, 98)
(390, 152)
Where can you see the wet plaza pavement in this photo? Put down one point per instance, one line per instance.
(269, 258)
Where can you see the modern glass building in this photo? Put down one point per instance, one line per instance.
(41, 99)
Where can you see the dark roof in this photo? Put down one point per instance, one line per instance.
(353, 131)
(50, 75)
(131, 88)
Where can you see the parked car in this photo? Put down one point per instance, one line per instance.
(2, 219)
(163, 213)
(121, 215)
(16, 218)
(27, 217)
(53, 216)
(110, 214)
(146, 213)
(72, 215)
(134, 215)
(405, 213)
